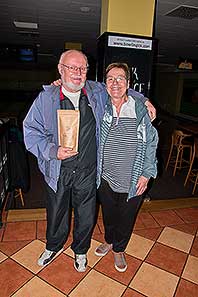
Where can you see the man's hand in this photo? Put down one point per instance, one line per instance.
(151, 110)
(57, 83)
(141, 185)
(65, 152)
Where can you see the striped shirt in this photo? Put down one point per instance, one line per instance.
(120, 148)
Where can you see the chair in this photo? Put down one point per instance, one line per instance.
(178, 144)
(192, 174)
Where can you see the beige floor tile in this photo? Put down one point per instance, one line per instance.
(154, 282)
(191, 270)
(139, 246)
(15, 215)
(2, 257)
(37, 288)
(29, 254)
(96, 284)
(69, 252)
(176, 239)
(92, 259)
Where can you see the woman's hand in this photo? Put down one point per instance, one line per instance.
(57, 83)
(141, 185)
(151, 110)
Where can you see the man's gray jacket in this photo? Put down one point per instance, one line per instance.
(41, 131)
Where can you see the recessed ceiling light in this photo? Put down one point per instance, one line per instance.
(25, 25)
(85, 9)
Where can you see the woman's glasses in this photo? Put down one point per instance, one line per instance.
(119, 79)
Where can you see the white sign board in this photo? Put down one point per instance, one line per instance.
(129, 42)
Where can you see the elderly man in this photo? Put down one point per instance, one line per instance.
(70, 176)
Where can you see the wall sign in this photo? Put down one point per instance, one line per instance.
(137, 43)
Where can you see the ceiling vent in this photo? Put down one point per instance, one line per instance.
(27, 29)
(184, 12)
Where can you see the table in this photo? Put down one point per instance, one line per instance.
(191, 128)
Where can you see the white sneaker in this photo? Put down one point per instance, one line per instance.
(120, 262)
(103, 249)
(80, 263)
(47, 256)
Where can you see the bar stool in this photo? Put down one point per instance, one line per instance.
(192, 174)
(19, 193)
(178, 144)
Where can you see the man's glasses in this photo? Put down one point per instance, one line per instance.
(73, 69)
(119, 79)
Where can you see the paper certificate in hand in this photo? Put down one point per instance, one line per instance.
(68, 128)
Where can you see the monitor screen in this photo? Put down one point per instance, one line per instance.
(27, 54)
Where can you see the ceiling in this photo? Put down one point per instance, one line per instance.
(61, 21)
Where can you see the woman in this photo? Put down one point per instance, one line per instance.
(127, 160)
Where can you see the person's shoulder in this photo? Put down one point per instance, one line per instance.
(140, 107)
(136, 99)
(95, 85)
(47, 96)
(134, 93)
(49, 91)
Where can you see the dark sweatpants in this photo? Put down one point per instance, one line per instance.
(77, 189)
(118, 215)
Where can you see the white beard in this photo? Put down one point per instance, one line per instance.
(74, 87)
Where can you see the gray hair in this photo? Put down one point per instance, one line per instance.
(68, 52)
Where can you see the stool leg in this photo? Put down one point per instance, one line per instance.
(19, 194)
(188, 174)
(196, 182)
(21, 197)
(176, 161)
(191, 153)
(181, 158)
(191, 165)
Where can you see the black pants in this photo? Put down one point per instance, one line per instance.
(76, 189)
(118, 215)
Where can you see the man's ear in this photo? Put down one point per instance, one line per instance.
(60, 69)
(128, 83)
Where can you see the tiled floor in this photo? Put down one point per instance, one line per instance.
(162, 258)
